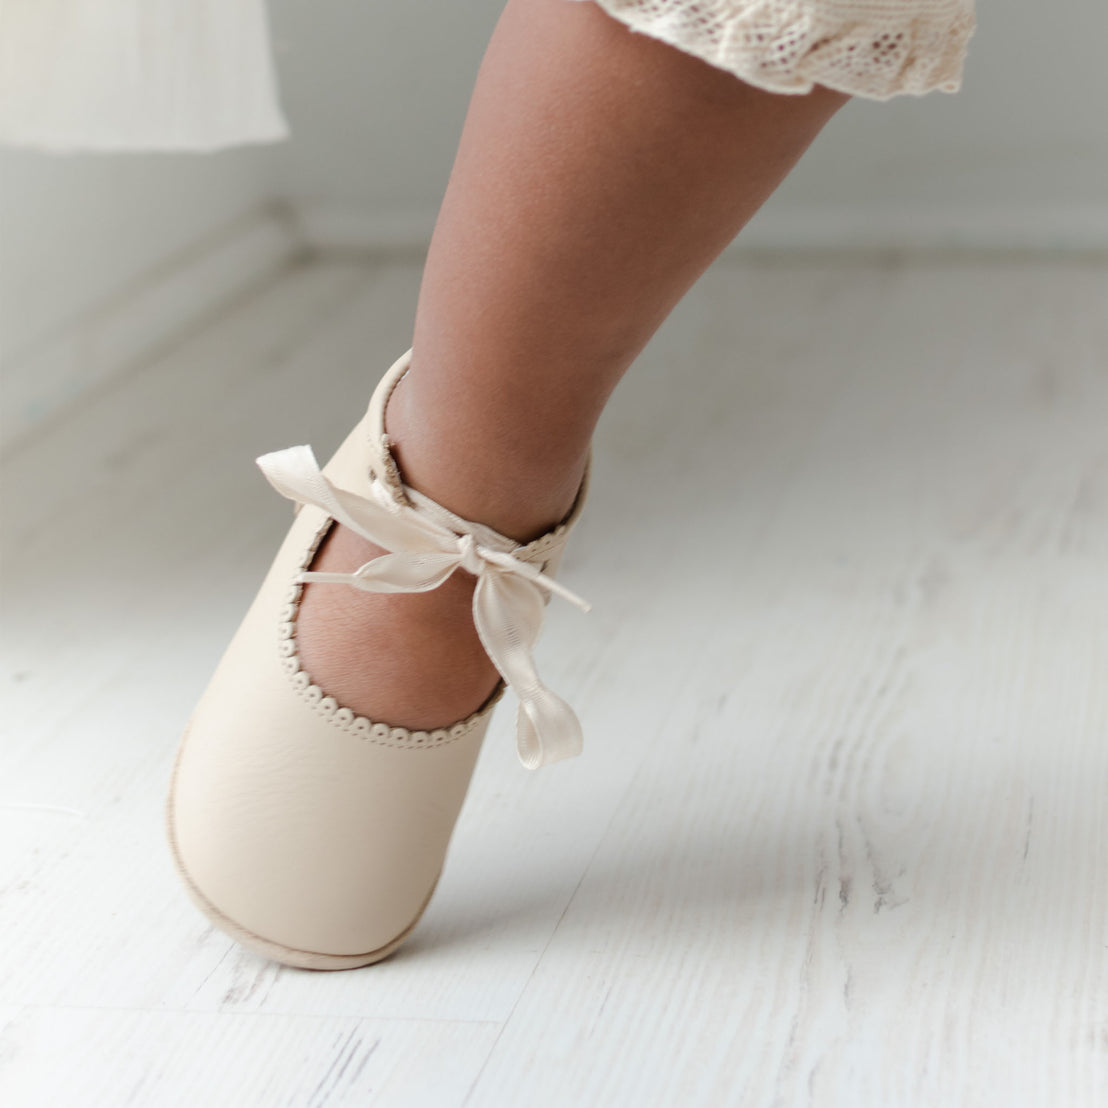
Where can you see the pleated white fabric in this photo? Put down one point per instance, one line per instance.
(137, 75)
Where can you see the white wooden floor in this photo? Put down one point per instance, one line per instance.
(839, 835)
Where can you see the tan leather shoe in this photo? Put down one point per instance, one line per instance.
(311, 834)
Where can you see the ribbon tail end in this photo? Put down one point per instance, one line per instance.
(534, 753)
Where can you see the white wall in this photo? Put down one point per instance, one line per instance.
(103, 256)
(77, 227)
(376, 94)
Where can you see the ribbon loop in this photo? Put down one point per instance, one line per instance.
(508, 602)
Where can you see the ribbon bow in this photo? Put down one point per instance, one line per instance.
(508, 602)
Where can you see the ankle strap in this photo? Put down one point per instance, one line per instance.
(383, 468)
(382, 465)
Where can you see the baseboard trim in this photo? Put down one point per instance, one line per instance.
(147, 315)
(998, 229)
(187, 288)
(334, 228)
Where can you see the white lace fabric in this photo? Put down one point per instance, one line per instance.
(111, 75)
(875, 49)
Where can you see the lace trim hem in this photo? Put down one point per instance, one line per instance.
(789, 46)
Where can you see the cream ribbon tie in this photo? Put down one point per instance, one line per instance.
(508, 602)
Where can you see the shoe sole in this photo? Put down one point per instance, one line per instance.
(289, 956)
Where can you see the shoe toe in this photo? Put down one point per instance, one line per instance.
(306, 832)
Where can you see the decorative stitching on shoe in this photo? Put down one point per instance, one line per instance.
(327, 707)
(391, 475)
(532, 551)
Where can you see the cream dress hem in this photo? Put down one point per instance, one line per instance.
(874, 49)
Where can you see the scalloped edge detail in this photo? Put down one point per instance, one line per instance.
(328, 708)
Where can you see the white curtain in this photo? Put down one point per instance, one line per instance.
(137, 75)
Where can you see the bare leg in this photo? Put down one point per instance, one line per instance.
(599, 173)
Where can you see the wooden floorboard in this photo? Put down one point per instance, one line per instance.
(839, 834)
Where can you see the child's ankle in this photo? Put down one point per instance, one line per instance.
(521, 494)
